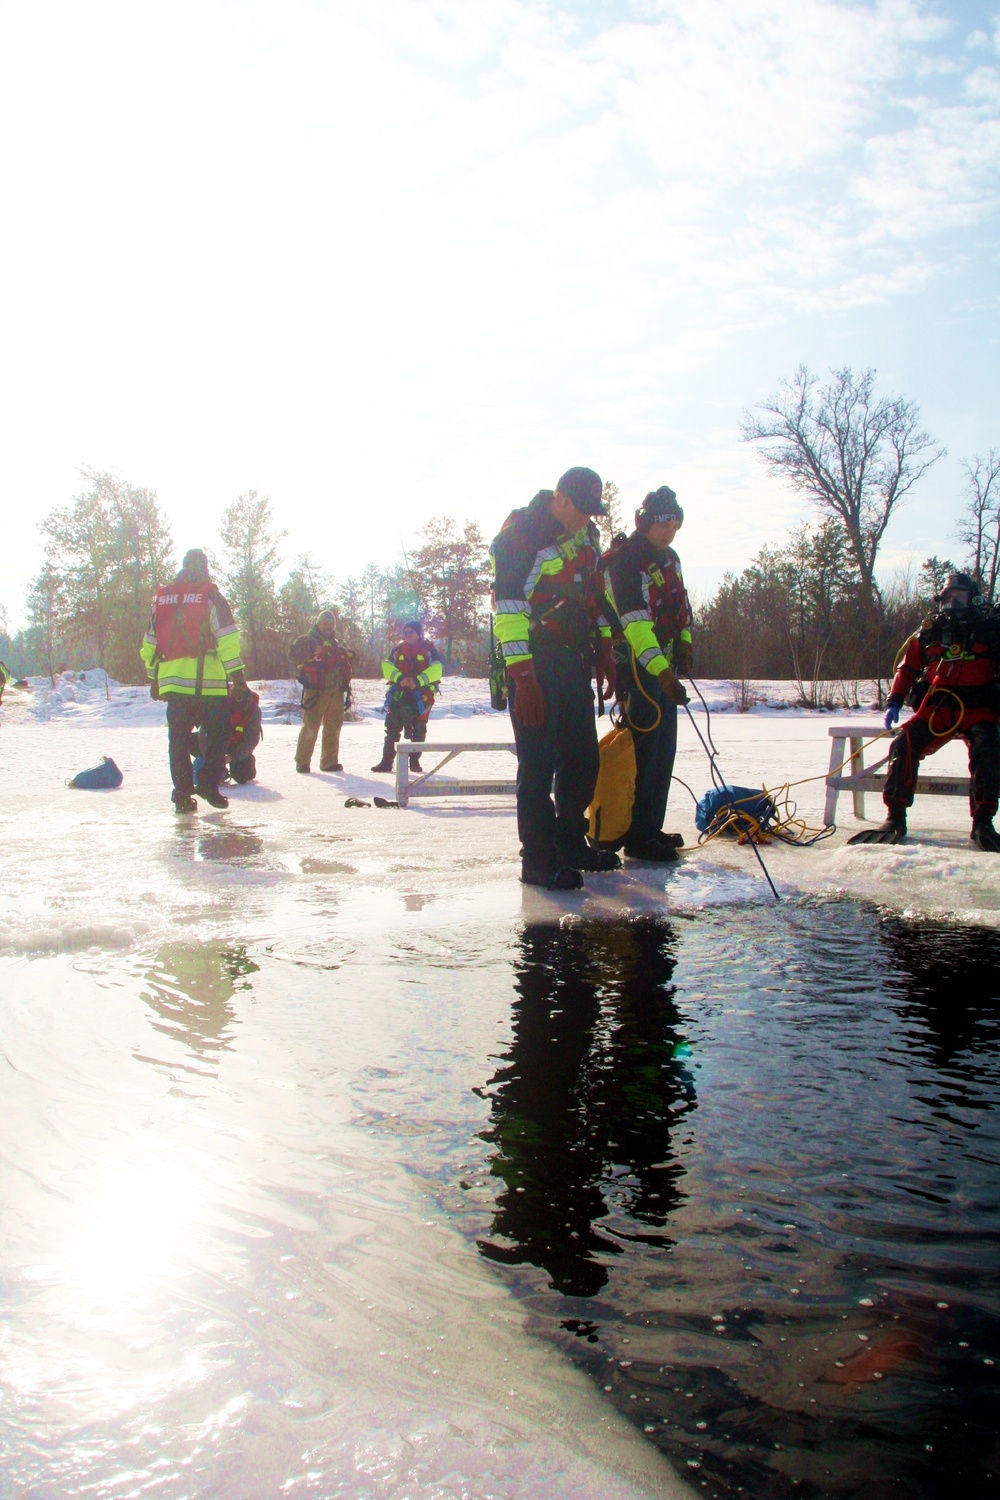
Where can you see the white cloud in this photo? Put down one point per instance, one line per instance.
(429, 251)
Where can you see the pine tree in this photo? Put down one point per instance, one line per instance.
(250, 547)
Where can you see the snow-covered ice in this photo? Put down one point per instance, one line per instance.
(119, 869)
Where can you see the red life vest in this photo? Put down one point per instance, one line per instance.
(181, 614)
(411, 660)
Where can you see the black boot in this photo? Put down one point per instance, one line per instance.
(669, 840)
(388, 757)
(597, 861)
(184, 804)
(656, 852)
(211, 794)
(553, 877)
(892, 831)
(985, 836)
(415, 763)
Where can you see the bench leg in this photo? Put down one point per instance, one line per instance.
(402, 778)
(857, 766)
(836, 756)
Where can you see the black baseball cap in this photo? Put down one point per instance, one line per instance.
(585, 489)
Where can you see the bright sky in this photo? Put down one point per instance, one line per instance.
(387, 260)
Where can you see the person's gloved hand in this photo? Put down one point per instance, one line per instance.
(238, 683)
(529, 700)
(605, 669)
(672, 686)
(891, 715)
(683, 659)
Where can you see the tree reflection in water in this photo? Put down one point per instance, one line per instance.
(585, 1102)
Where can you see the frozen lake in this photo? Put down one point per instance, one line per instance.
(336, 1164)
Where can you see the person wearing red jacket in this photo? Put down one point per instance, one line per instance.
(413, 671)
(949, 670)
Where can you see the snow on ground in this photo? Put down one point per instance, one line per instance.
(119, 868)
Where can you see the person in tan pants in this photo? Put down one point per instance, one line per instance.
(323, 667)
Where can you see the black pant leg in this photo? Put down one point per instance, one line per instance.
(984, 768)
(908, 747)
(577, 757)
(182, 717)
(536, 762)
(654, 738)
(217, 726)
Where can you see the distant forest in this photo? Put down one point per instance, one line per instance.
(812, 611)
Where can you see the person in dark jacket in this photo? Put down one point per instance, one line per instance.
(552, 629)
(647, 589)
(191, 651)
(246, 730)
(323, 667)
(949, 668)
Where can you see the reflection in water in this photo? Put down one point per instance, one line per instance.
(190, 987)
(826, 1320)
(585, 1103)
(231, 845)
(949, 978)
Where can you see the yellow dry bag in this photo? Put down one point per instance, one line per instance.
(610, 813)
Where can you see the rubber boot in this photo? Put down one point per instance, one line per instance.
(415, 763)
(388, 760)
(595, 860)
(552, 877)
(669, 840)
(184, 804)
(892, 831)
(211, 794)
(654, 853)
(985, 836)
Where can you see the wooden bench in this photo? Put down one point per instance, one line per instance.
(446, 786)
(857, 779)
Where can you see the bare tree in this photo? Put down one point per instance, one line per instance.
(853, 455)
(979, 527)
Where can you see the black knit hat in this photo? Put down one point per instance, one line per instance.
(195, 565)
(659, 505)
(585, 489)
(413, 625)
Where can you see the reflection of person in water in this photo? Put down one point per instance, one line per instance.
(584, 1104)
(190, 987)
(950, 979)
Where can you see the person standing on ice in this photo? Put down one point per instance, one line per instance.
(648, 593)
(550, 624)
(949, 671)
(192, 651)
(413, 670)
(323, 666)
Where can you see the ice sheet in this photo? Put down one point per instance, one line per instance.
(119, 868)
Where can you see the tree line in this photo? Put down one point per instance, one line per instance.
(106, 552)
(811, 610)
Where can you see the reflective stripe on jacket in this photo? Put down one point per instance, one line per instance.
(199, 675)
(421, 662)
(648, 592)
(547, 583)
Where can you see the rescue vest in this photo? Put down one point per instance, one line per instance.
(181, 620)
(410, 661)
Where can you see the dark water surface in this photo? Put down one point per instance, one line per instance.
(746, 1173)
(740, 1168)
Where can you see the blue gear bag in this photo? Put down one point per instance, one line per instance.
(719, 803)
(98, 778)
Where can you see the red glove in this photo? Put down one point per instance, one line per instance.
(605, 668)
(529, 700)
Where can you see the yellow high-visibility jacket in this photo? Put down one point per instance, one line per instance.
(216, 640)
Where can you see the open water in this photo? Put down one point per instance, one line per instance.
(273, 1216)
